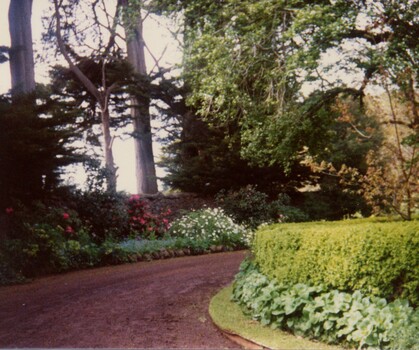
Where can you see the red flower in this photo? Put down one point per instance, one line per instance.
(66, 216)
(9, 211)
(69, 230)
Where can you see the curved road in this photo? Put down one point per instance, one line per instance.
(160, 304)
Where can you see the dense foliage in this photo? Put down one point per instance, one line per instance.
(42, 238)
(377, 258)
(253, 208)
(104, 213)
(330, 315)
(205, 159)
(291, 77)
(35, 145)
(77, 230)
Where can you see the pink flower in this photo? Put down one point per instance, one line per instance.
(69, 230)
(66, 216)
(9, 211)
(142, 221)
(134, 197)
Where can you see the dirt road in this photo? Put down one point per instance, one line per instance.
(160, 304)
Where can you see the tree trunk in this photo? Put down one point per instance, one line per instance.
(109, 161)
(21, 51)
(145, 166)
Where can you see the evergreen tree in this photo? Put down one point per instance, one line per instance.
(35, 146)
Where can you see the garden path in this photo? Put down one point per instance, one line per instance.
(159, 304)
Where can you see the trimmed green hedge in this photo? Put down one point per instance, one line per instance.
(377, 258)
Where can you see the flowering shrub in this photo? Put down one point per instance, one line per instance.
(45, 238)
(211, 225)
(91, 229)
(143, 222)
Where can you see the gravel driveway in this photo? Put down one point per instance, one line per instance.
(159, 304)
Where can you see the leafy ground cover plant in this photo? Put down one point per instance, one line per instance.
(211, 225)
(228, 316)
(329, 315)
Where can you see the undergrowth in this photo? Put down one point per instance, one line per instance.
(329, 315)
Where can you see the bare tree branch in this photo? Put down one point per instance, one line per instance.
(80, 75)
(156, 61)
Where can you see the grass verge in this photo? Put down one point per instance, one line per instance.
(229, 318)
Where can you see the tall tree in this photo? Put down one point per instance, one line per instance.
(254, 62)
(101, 95)
(21, 50)
(36, 137)
(140, 113)
(105, 27)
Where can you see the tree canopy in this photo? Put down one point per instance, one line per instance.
(291, 74)
(283, 89)
(250, 61)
